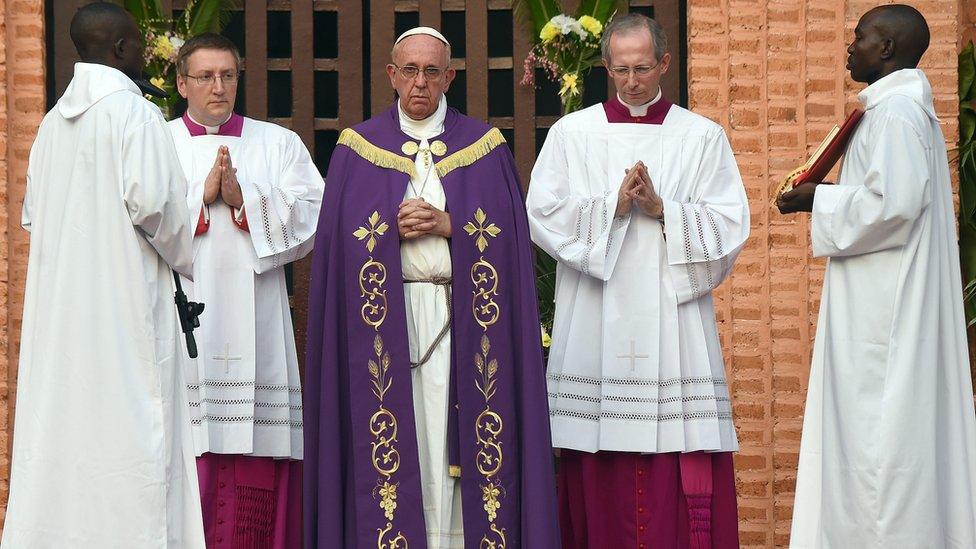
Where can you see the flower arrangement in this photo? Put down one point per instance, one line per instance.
(165, 35)
(566, 47)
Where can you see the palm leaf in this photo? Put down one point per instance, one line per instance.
(536, 13)
(144, 10)
(601, 10)
(208, 15)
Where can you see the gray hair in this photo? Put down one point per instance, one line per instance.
(634, 22)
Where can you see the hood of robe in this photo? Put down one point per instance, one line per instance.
(89, 85)
(910, 83)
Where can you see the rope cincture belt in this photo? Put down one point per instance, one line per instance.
(446, 283)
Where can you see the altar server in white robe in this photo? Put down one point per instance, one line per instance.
(641, 203)
(255, 194)
(102, 450)
(888, 453)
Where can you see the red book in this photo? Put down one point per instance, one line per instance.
(826, 155)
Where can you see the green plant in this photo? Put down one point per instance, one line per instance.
(967, 177)
(566, 47)
(164, 36)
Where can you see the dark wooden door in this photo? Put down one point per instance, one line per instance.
(317, 66)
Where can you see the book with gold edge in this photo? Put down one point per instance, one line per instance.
(825, 157)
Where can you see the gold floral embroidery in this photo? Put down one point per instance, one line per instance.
(383, 423)
(488, 425)
(481, 229)
(375, 229)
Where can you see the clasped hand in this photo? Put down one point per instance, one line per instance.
(638, 190)
(222, 181)
(418, 218)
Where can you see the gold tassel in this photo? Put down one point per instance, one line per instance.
(472, 153)
(375, 155)
(454, 471)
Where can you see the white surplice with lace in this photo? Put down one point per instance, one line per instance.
(636, 363)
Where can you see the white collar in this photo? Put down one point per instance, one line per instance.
(211, 130)
(641, 110)
(426, 128)
(910, 83)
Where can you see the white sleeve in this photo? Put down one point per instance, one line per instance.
(282, 214)
(154, 192)
(859, 219)
(576, 228)
(705, 233)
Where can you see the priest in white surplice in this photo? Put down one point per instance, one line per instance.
(641, 203)
(256, 194)
(102, 450)
(888, 454)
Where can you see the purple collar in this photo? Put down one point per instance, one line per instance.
(231, 128)
(617, 112)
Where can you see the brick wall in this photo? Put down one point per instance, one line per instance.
(21, 109)
(772, 72)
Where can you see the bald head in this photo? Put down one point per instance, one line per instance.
(906, 27)
(887, 39)
(106, 34)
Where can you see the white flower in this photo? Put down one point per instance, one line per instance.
(567, 24)
(177, 42)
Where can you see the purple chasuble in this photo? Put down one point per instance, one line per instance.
(362, 476)
(669, 500)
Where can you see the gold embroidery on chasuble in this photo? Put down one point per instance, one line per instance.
(375, 155)
(383, 423)
(470, 154)
(489, 425)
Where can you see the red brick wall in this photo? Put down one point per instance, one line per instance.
(21, 109)
(772, 72)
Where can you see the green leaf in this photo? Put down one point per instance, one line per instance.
(967, 125)
(967, 72)
(601, 10)
(208, 15)
(536, 13)
(967, 190)
(144, 10)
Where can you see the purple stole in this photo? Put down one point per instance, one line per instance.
(362, 476)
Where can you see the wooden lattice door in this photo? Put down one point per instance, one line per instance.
(317, 66)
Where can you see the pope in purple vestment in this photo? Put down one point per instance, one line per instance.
(362, 477)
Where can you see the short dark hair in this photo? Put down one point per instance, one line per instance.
(206, 41)
(634, 22)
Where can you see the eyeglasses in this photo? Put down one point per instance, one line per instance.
(640, 70)
(410, 72)
(227, 78)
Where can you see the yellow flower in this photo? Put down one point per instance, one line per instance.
(163, 48)
(570, 86)
(549, 31)
(157, 81)
(592, 25)
(546, 339)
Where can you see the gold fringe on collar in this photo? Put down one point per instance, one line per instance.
(375, 155)
(472, 153)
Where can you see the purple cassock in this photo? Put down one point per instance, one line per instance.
(362, 476)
